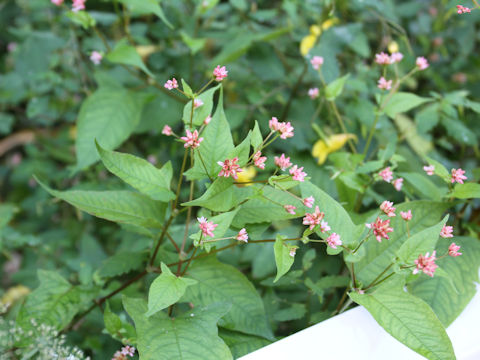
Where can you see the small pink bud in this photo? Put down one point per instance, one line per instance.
(197, 103)
(96, 57)
(309, 201)
(458, 176)
(406, 215)
(334, 240)
(259, 160)
(387, 208)
(290, 209)
(397, 184)
(446, 232)
(292, 251)
(191, 139)
(57, 2)
(313, 93)
(297, 173)
(242, 235)
(167, 130)
(382, 59)
(396, 57)
(282, 162)
(171, 84)
(207, 227)
(384, 84)
(313, 219)
(207, 120)
(430, 170)
(426, 264)
(229, 168)
(78, 5)
(422, 63)
(386, 174)
(453, 250)
(316, 62)
(220, 73)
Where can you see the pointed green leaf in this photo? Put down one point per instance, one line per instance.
(109, 116)
(144, 7)
(189, 336)
(420, 243)
(257, 137)
(379, 255)
(118, 206)
(466, 191)
(139, 173)
(462, 270)
(335, 88)
(408, 319)
(82, 18)
(166, 290)
(55, 302)
(336, 216)
(402, 102)
(424, 186)
(125, 54)
(221, 282)
(283, 259)
(121, 263)
(118, 329)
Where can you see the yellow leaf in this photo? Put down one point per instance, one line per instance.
(393, 47)
(307, 44)
(246, 175)
(315, 30)
(329, 23)
(322, 148)
(146, 50)
(14, 294)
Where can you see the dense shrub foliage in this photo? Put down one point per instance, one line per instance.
(197, 179)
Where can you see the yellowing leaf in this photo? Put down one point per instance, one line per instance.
(246, 175)
(307, 44)
(329, 23)
(146, 50)
(322, 148)
(315, 30)
(15, 293)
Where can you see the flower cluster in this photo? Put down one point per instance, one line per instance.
(259, 160)
(171, 84)
(284, 128)
(282, 162)
(316, 62)
(124, 353)
(191, 139)
(297, 173)
(242, 235)
(380, 228)
(78, 5)
(96, 57)
(463, 10)
(206, 226)
(387, 208)
(229, 168)
(426, 264)
(387, 175)
(313, 93)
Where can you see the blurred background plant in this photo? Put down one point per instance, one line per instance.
(47, 75)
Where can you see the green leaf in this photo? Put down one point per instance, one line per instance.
(125, 54)
(108, 115)
(466, 191)
(459, 131)
(370, 166)
(221, 195)
(118, 329)
(122, 263)
(463, 271)
(82, 18)
(420, 243)
(7, 211)
(55, 302)
(144, 7)
(335, 88)
(242, 344)
(283, 259)
(336, 216)
(166, 290)
(187, 89)
(408, 131)
(379, 255)
(217, 144)
(408, 319)
(260, 209)
(294, 311)
(402, 102)
(201, 112)
(139, 173)
(189, 336)
(219, 282)
(118, 206)
(242, 151)
(440, 170)
(424, 186)
(195, 45)
(257, 137)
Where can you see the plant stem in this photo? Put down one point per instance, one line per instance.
(160, 239)
(179, 185)
(294, 92)
(204, 86)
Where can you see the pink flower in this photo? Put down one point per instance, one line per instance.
(384, 84)
(334, 240)
(446, 232)
(292, 251)
(406, 215)
(313, 93)
(387, 208)
(78, 5)
(297, 173)
(197, 103)
(220, 73)
(273, 124)
(290, 209)
(386, 174)
(207, 120)
(128, 350)
(286, 130)
(242, 235)
(422, 63)
(453, 250)
(458, 176)
(316, 62)
(229, 168)
(397, 184)
(259, 160)
(430, 170)
(191, 140)
(324, 227)
(11, 47)
(380, 228)
(396, 57)
(152, 159)
(426, 264)
(96, 57)
(308, 202)
(167, 130)
(462, 9)
(57, 2)
(382, 59)
(282, 162)
(207, 227)
(171, 84)
(313, 219)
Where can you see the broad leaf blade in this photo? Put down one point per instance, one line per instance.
(125, 54)
(408, 319)
(402, 102)
(283, 260)
(139, 173)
